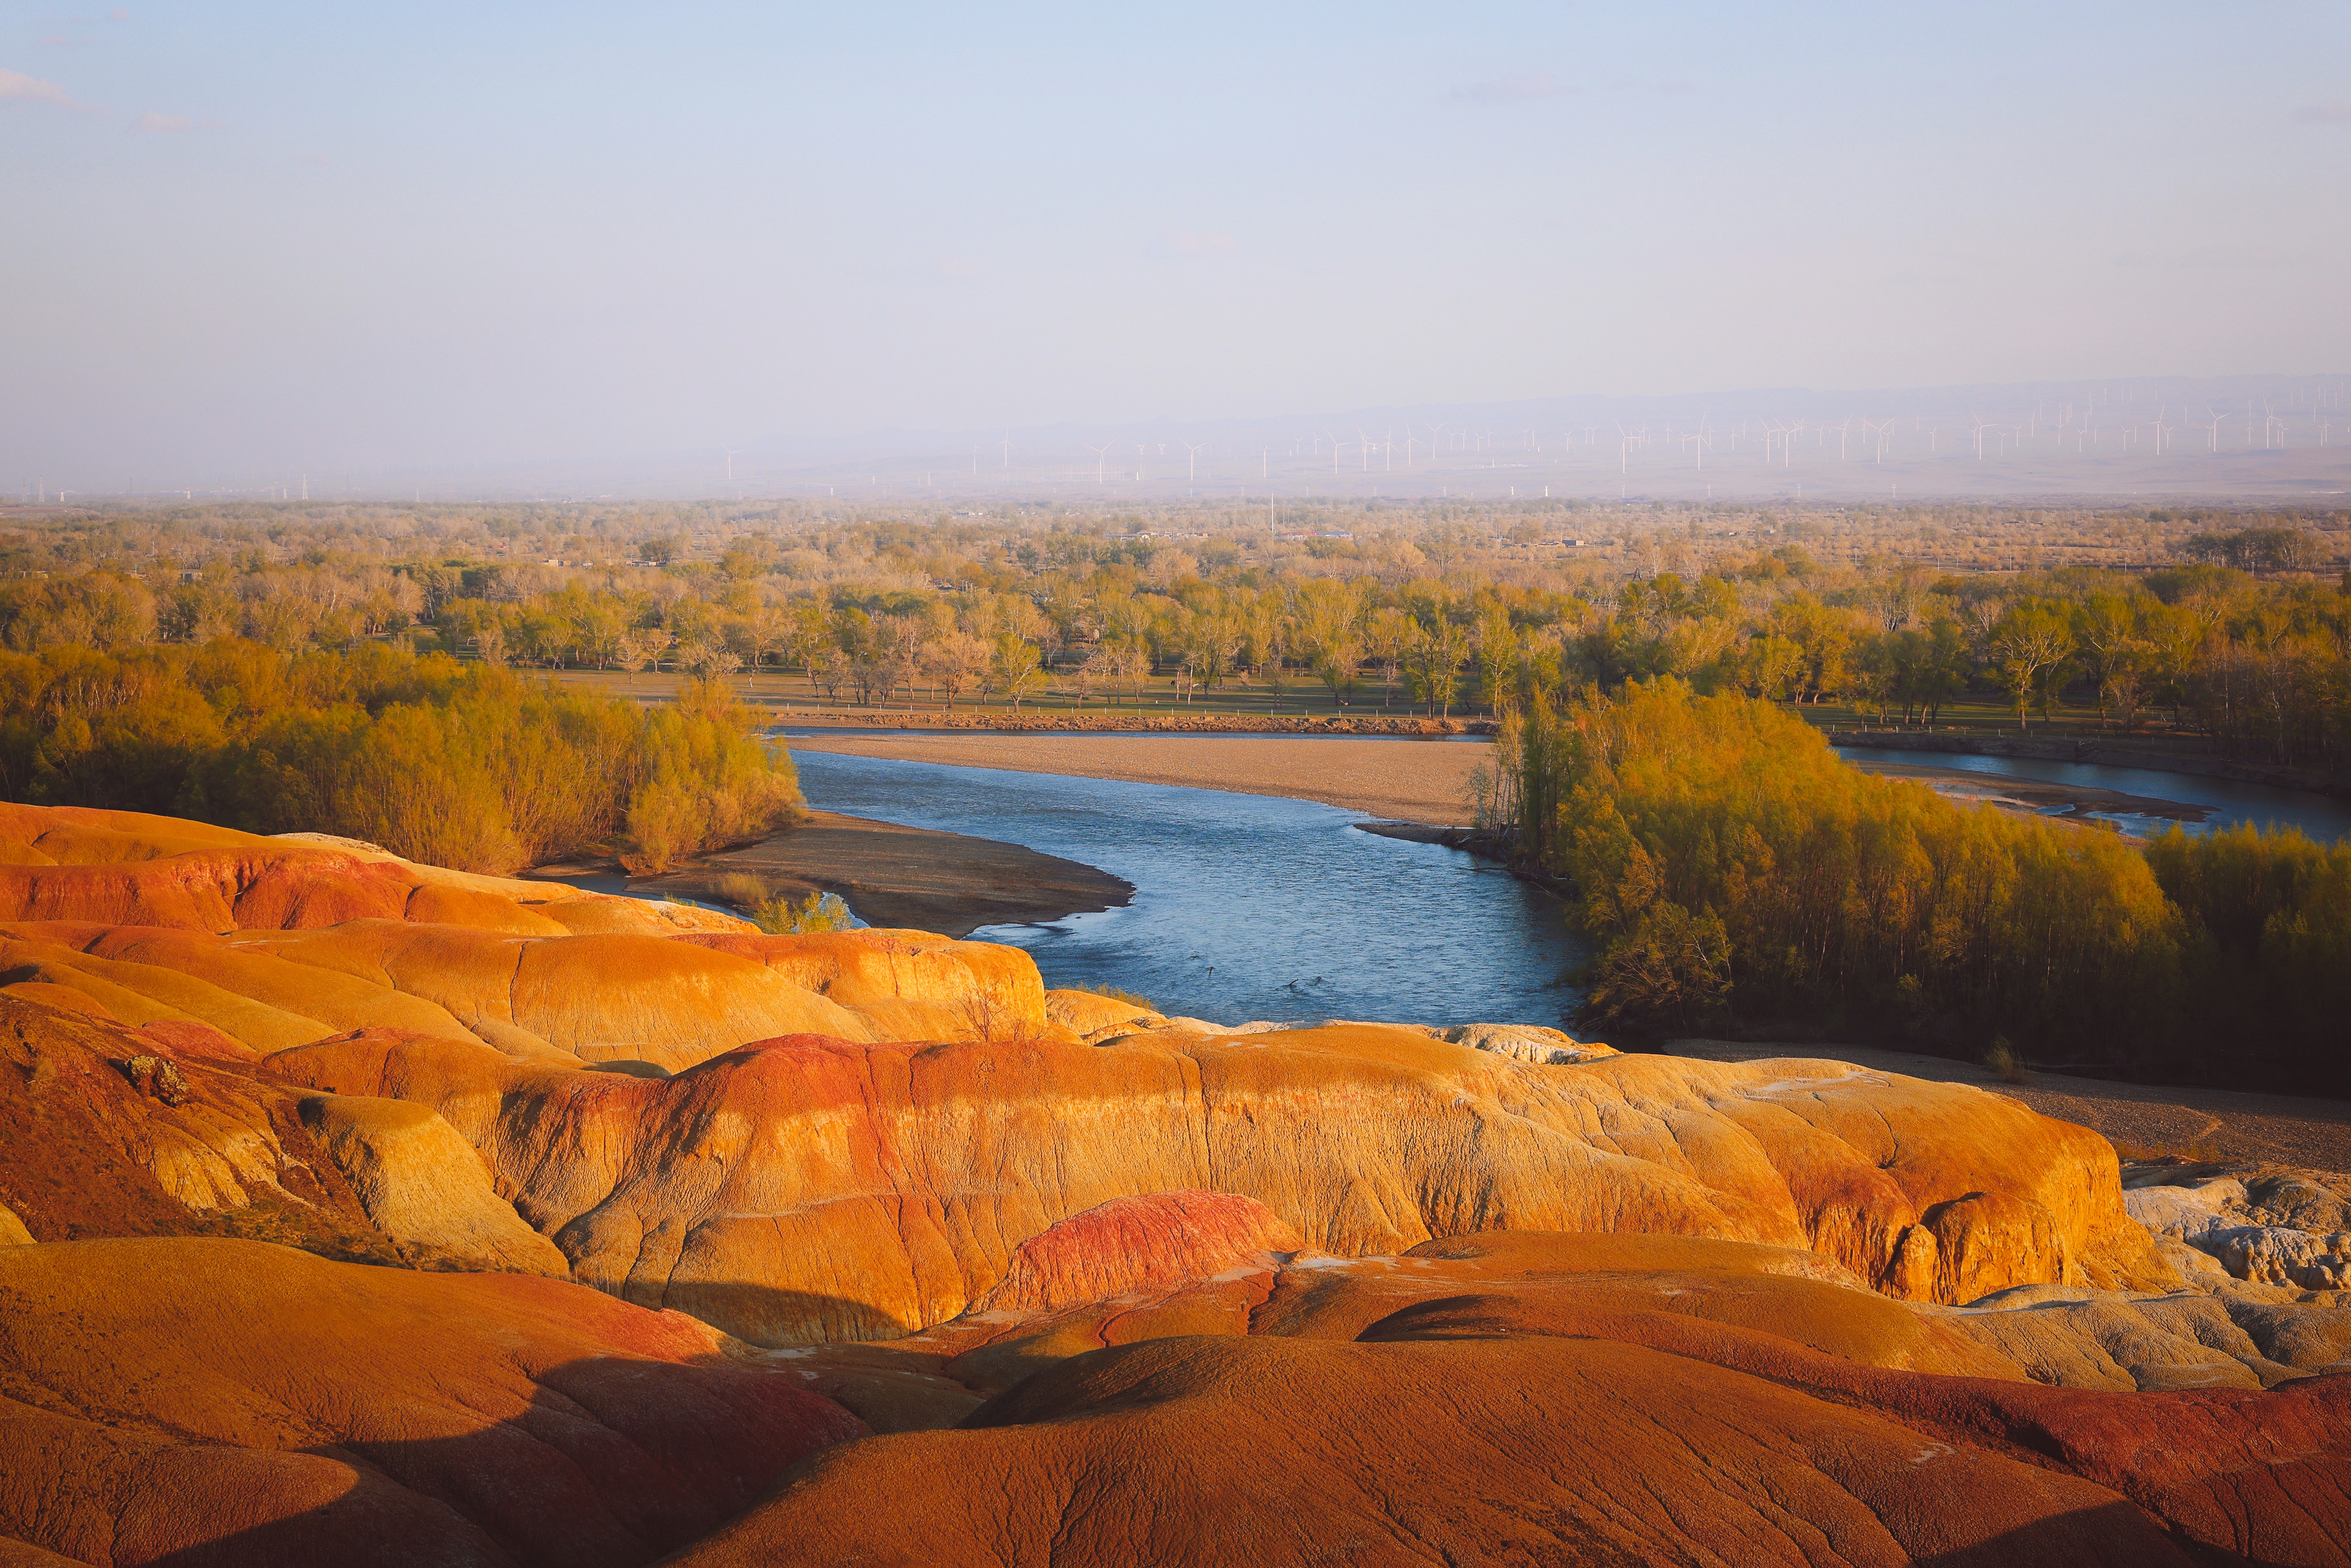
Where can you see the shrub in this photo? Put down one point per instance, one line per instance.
(740, 889)
(813, 915)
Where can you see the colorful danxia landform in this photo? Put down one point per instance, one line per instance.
(355, 1211)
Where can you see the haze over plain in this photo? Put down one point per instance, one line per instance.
(599, 247)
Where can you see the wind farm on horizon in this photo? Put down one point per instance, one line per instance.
(2258, 438)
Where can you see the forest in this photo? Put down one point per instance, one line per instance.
(463, 765)
(2230, 631)
(1732, 874)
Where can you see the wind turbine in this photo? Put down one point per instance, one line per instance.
(1191, 461)
(1098, 452)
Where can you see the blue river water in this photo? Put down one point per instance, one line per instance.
(1246, 906)
(2226, 802)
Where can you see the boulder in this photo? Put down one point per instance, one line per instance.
(1527, 1042)
(1095, 1019)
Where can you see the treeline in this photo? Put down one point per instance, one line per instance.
(462, 765)
(2255, 658)
(1731, 874)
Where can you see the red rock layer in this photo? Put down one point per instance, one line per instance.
(1554, 1399)
(809, 1188)
(211, 1402)
(89, 1150)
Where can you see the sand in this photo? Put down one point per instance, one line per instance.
(2137, 1118)
(892, 875)
(1404, 781)
(2030, 797)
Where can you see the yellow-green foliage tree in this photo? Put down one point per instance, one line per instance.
(2270, 963)
(1728, 864)
(461, 765)
(706, 781)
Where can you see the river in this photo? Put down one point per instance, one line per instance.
(2225, 802)
(1246, 906)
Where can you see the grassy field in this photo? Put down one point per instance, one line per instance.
(787, 692)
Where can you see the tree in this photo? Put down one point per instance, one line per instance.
(640, 648)
(1014, 670)
(2106, 626)
(1386, 636)
(2032, 638)
(1498, 657)
(1437, 650)
(953, 662)
(1335, 666)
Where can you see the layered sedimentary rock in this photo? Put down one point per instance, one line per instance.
(2186, 1339)
(98, 1138)
(235, 1402)
(1533, 1397)
(808, 1189)
(126, 868)
(424, 1188)
(1183, 1291)
(274, 943)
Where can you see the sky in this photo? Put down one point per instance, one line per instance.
(242, 240)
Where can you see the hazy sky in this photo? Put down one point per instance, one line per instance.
(244, 239)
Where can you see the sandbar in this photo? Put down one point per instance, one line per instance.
(1411, 780)
(909, 878)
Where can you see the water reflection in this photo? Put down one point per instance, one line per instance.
(1245, 906)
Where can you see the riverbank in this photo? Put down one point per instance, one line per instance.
(1386, 778)
(1112, 721)
(2032, 797)
(2139, 1119)
(892, 875)
(2098, 753)
(1423, 788)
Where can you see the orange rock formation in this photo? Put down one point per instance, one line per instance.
(231, 1401)
(1194, 1294)
(807, 1189)
(1529, 1397)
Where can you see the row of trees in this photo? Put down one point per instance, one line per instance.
(458, 765)
(2261, 664)
(1730, 871)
